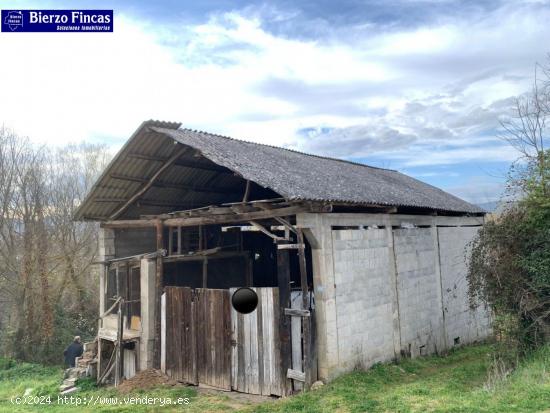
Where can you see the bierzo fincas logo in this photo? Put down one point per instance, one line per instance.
(56, 21)
(14, 20)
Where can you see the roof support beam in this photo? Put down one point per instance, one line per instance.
(209, 219)
(162, 184)
(188, 163)
(261, 228)
(135, 197)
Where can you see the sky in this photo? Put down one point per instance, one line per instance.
(417, 86)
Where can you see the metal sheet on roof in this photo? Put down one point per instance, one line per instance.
(290, 174)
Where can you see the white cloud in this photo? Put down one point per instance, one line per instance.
(422, 95)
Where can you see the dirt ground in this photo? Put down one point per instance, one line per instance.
(148, 379)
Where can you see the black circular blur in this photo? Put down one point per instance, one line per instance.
(244, 300)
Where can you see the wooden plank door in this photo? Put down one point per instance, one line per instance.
(256, 355)
(213, 335)
(180, 335)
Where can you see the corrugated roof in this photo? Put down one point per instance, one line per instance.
(291, 174)
(299, 176)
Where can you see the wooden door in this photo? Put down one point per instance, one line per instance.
(256, 358)
(213, 332)
(180, 333)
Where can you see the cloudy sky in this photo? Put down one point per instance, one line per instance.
(417, 86)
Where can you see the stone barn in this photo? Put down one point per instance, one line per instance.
(352, 264)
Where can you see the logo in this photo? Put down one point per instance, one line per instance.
(14, 20)
(56, 21)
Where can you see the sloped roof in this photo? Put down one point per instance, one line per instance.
(291, 174)
(299, 176)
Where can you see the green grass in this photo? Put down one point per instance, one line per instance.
(455, 383)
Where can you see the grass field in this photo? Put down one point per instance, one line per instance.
(455, 383)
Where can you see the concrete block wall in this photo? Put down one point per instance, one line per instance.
(364, 297)
(419, 291)
(381, 291)
(462, 324)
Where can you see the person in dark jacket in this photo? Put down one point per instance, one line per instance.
(74, 350)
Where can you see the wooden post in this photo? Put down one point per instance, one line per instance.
(204, 272)
(98, 359)
(170, 241)
(179, 241)
(305, 305)
(283, 281)
(249, 271)
(118, 348)
(158, 291)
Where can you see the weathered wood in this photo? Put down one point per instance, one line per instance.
(283, 281)
(246, 191)
(163, 333)
(296, 337)
(296, 375)
(286, 224)
(306, 322)
(256, 352)
(180, 335)
(120, 327)
(249, 271)
(178, 251)
(158, 291)
(149, 183)
(165, 184)
(295, 312)
(170, 241)
(214, 337)
(111, 308)
(207, 220)
(205, 272)
(290, 246)
(262, 229)
(129, 363)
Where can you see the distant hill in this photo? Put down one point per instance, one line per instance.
(489, 206)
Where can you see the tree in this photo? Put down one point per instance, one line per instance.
(510, 261)
(47, 282)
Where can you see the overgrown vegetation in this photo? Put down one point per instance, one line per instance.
(458, 382)
(510, 261)
(47, 282)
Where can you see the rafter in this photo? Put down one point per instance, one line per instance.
(188, 163)
(173, 185)
(150, 182)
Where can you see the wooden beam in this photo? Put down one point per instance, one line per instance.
(129, 223)
(262, 229)
(188, 163)
(118, 348)
(283, 282)
(146, 157)
(290, 246)
(305, 304)
(174, 185)
(296, 375)
(150, 182)
(246, 191)
(158, 291)
(207, 220)
(232, 218)
(205, 273)
(296, 312)
(286, 224)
